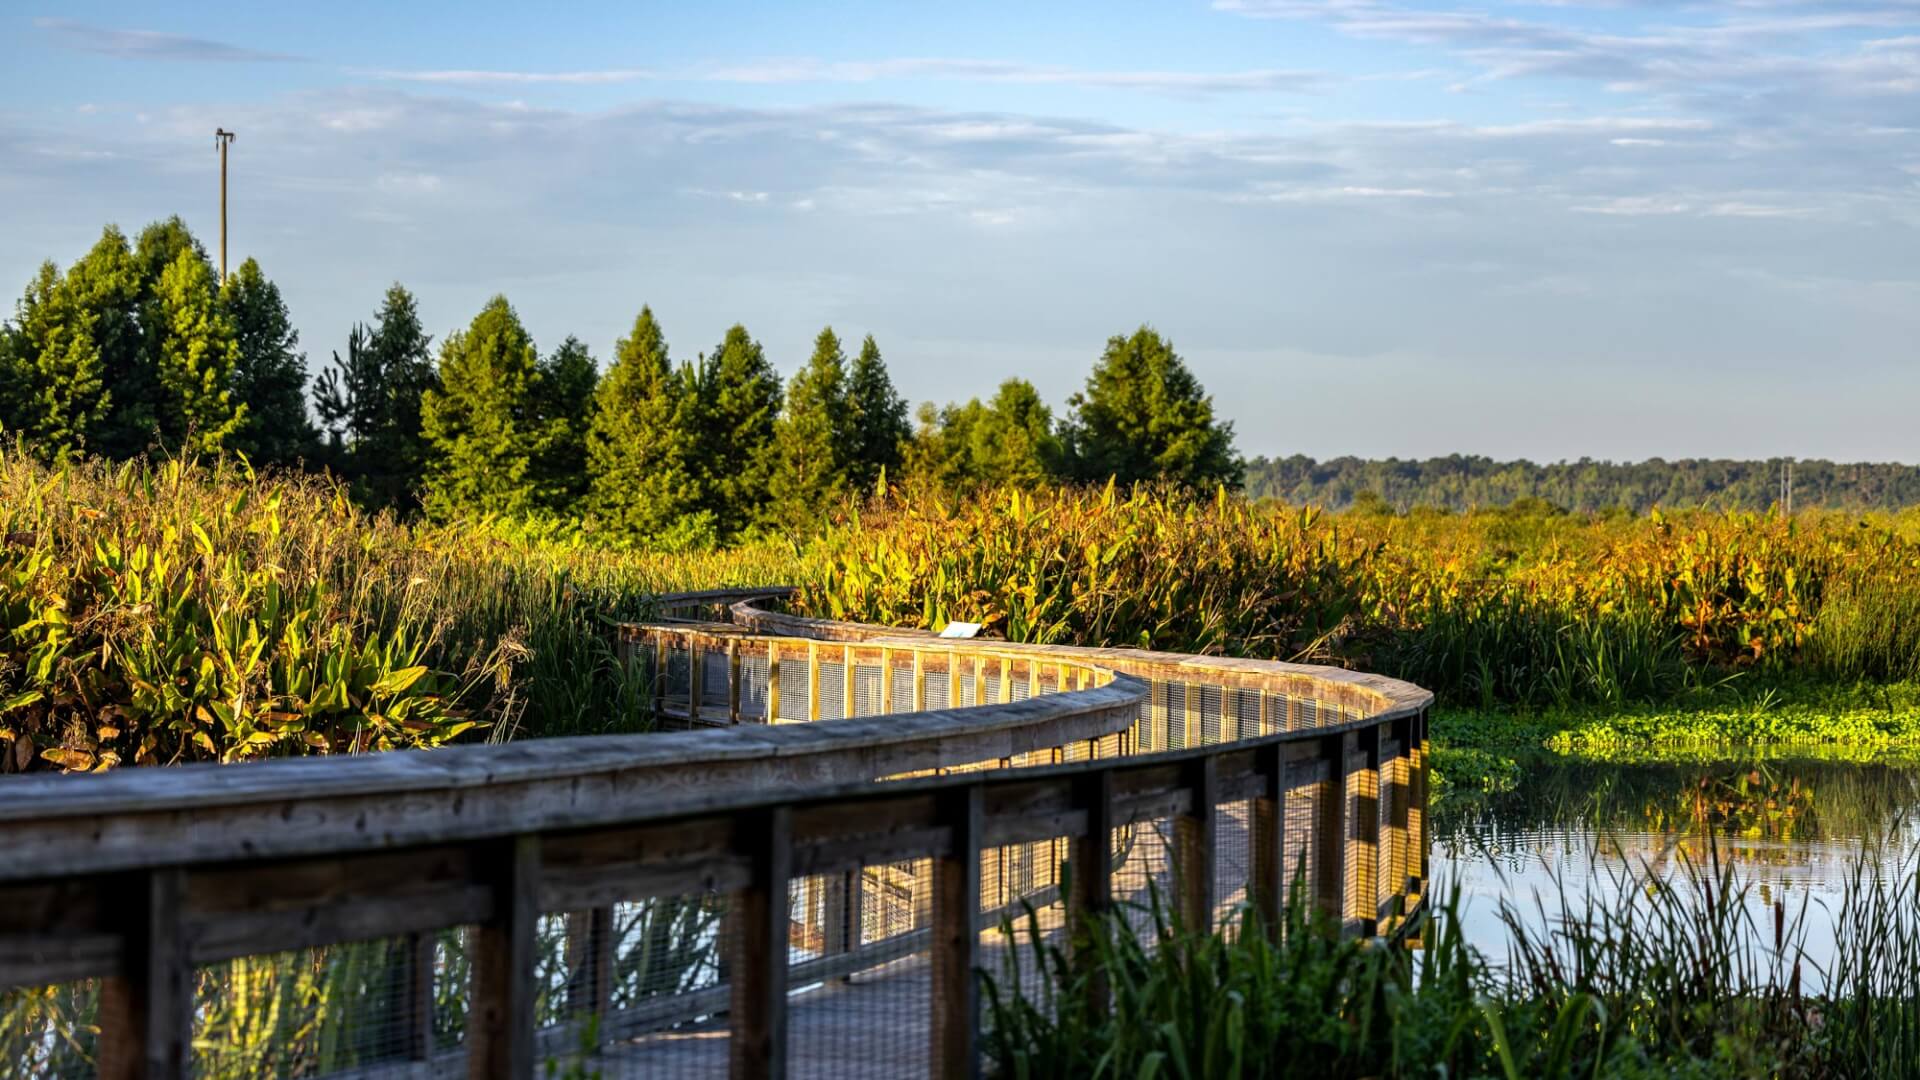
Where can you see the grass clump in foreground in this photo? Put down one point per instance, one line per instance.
(1680, 982)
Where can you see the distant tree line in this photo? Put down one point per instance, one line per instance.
(1464, 482)
(137, 348)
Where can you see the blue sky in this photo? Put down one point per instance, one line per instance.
(1618, 228)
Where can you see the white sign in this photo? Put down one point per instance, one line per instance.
(961, 630)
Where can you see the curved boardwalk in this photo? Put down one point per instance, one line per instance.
(736, 897)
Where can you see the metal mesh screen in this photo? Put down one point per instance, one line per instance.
(49, 1030)
(667, 995)
(308, 1012)
(1233, 840)
(858, 1005)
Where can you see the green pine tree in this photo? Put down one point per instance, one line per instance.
(1143, 416)
(812, 441)
(369, 401)
(739, 402)
(645, 492)
(106, 284)
(270, 378)
(51, 386)
(879, 416)
(567, 381)
(482, 422)
(195, 356)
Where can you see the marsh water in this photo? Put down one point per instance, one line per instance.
(1793, 830)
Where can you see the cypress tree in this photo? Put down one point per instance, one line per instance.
(195, 355)
(567, 380)
(813, 439)
(370, 404)
(270, 378)
(879, 416)
(644, 491)
(481, 423)
(1143, 416)
(739, 402)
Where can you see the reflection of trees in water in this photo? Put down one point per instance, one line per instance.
(1755, 810)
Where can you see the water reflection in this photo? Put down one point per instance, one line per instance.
(1794, 830)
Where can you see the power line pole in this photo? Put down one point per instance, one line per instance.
(223, 138)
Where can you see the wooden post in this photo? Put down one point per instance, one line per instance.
(146, 1011)
(886, 681)
(223, 139)
(500, 1015)
(813, 681)
(956, 939)
(589, 961)
(758, 1043)
(1330, 832)
(696, 659)
(1194, 845)
(1091, 860)
(953, 679)
(848, 708)
(1417, 809)
(1363, 848)
(416, 1007)
(773, 683)
(1269, 876)
(659, 674)
(919, 681)
(733, 681)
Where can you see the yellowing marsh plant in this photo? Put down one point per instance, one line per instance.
(187, 611)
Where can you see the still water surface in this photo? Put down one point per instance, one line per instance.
(1794, 830)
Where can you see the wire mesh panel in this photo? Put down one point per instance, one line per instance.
(1233, 846)
(1023, 933)
(793, 688)
(867, 682)
(1143, 874)
(308, 1012)
(49, 1031)
(667, 995)
(753, 689)
(1305, 782)
(865, 1014)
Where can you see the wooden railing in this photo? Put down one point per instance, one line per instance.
(1011, 771)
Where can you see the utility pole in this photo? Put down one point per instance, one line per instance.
(223, 138)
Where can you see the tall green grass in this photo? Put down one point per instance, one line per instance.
(1681, 981)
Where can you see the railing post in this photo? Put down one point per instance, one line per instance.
(758, 1042)
(589, 961)
(416, 988)
(1363, 851)
(1417, 808)
(696, 660)
(1269, 840)
(848, 710)
(1330, 834)
(773, 683)
(956, 939)
(659, 675)
(733, 681)
(1091, 896)
(886, 681)
(146, 1011)
(1194, 845)
(813, 681)
(500, 1021)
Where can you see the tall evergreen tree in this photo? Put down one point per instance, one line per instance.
(195, 356)
(640, 448)
(567, 380)
(739, 402)
(107, 286)
(813, 440)
(482, 421)
(51, 386)
(270, 378)
(1143, 416)
(879, 416)
(369, 402)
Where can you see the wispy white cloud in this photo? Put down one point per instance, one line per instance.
(151, 44)
(805, 70)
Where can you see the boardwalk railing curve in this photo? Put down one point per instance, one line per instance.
(735, 897)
